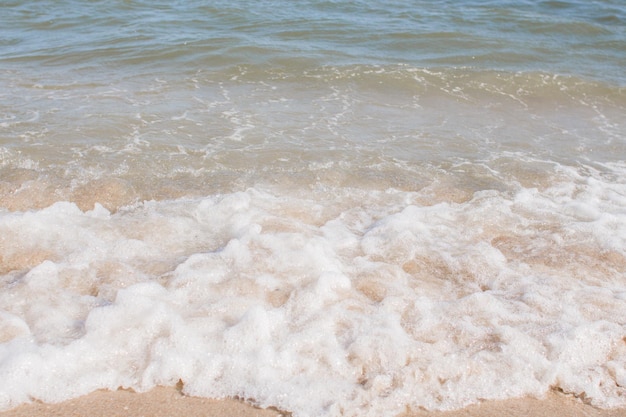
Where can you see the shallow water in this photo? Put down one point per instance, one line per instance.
(334, 208)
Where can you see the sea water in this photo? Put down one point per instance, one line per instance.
(337, 208)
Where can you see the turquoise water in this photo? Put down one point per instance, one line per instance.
(232, 92)
(559, 37)
(331, 207)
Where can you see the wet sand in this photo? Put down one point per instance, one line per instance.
(167, 402)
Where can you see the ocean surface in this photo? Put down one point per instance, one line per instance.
(337, 208)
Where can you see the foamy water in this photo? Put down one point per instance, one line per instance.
(338, 209)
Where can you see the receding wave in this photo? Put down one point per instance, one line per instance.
(224, 130)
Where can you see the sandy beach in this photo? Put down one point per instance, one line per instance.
(162, 402)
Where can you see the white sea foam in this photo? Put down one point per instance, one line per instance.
(339, 302)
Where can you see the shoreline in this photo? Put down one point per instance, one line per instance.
(169, 401)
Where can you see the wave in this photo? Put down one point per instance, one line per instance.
(378, 299)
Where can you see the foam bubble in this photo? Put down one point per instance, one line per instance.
(320, 302)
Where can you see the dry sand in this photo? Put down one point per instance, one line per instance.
(169, 402)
